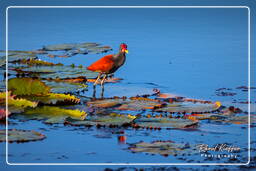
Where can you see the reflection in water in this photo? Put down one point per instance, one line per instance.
(122, 139)
(94, 92)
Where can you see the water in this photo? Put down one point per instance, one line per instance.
(189, 52)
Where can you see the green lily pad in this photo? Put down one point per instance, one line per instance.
(16, 56)
(112, 120)
(37, 62)
(188, 107)
(164, 148)
(51, 114)
(60, 72)
(134, 103)
(27, 86)
(76, 48)
(233, 119)
(65, 87)
(106, 103)
(21, 136)
(164, 123)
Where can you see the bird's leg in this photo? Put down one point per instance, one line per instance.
(94, 92)
(104, 78)
(102, 92)
(95, 83)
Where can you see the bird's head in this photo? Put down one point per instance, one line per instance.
(123, 48)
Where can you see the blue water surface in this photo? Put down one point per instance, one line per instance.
(185, 51)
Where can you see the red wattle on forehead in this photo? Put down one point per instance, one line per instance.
(124, 46)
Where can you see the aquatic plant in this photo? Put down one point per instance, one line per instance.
(54, 98)
(51, 114)
(75, 48)
(15, 105)
(27, 86)
(36, 62)
(111, 120)
(65, 86)
(163, 148)
(56, 72)
(155, 123)
(21, 136)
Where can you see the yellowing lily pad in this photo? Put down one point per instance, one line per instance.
(15, 105)
(51, 114)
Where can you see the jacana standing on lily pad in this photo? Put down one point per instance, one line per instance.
(109, 64)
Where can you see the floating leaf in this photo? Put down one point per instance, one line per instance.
(80, 79)
(21, 136)
(134, 103)
(106, 103)
(76, 48)
(139, 103)
(37, 62)
(164, 148)
(164, 123)
(16, 56)
(65, 87)
(54, 98)
(112, 120)
(51, 114)
(27, 86)
(60, 72)
(37, 91)
(15, 105)
(189, 107)
(233, 119)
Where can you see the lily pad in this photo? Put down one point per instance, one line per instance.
(164, 148)
(54, 99)
(37, 62)
(234, 119)
(164, 123)
(51, 114)
(65, 87)
(37, 91)
(112, 120)
(16, 56)
(106, 103)
(15, 105)
(189, 107)
(69, 46)
(134, 103)
(21, 136)
(60, 72)
(27, 86)
(75, 48)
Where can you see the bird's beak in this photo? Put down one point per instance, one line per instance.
(126, 51)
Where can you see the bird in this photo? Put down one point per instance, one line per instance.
(109, 64)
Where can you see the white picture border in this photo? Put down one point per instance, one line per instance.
(155, 164)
